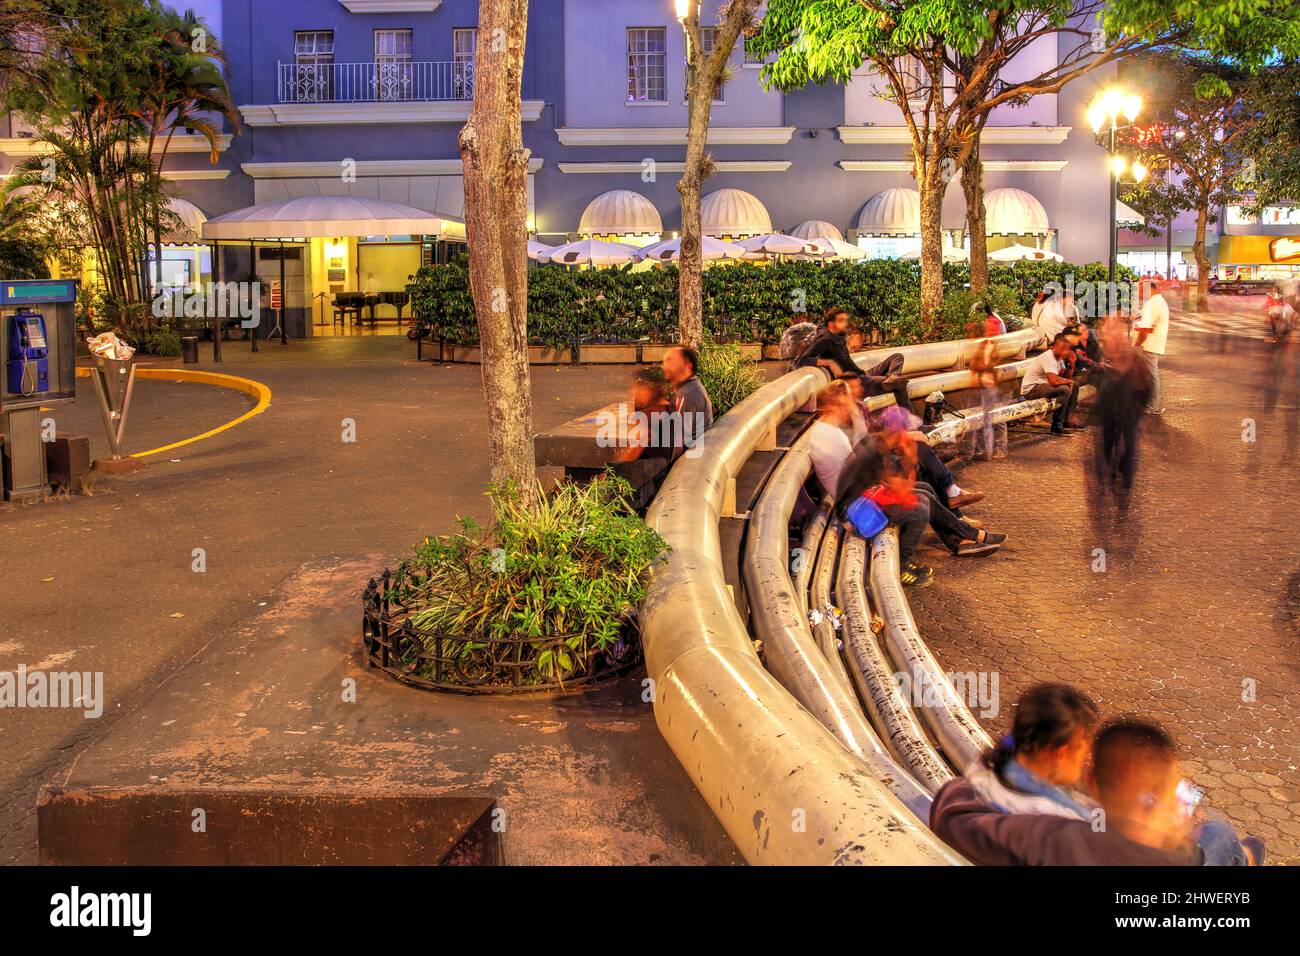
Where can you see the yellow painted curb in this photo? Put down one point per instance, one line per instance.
(246, 385)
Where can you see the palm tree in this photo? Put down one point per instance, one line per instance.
(183, 89)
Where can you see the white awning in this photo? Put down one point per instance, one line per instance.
(191, 218)
(734, 212)
(1014, 212)
(817, 229)
(329, 216)
(620, 212)
(893, 212)
(1126, 215)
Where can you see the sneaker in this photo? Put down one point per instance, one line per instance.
(994, 537)
(974, 549)
(917, 576)
(964, 499)
(1062, 431)
(999, 455)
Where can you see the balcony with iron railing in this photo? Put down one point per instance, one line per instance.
(417, 81)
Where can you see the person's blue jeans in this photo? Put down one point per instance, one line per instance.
(1218, 841)
(911, 521)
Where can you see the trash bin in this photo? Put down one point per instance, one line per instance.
(190, 349)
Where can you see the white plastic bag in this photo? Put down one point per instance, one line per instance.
(109, 346)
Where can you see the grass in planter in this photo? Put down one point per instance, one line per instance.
(727, 375)
(570, 566)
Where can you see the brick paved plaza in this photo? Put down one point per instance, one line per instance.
(1199, 600)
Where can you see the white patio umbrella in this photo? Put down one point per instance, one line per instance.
(593, 252)
(540, 251)
(950, 254)
(773, 244)
(828, 247)
(712, 250)
(1019, 253)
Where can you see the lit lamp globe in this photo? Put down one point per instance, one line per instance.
(1096, 116)
(1139, 171)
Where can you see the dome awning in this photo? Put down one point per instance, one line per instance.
(1014, 212)
(1126, 215)
(305, 217)
(620, 212)
(734, 212)
(190, 228)
(893, 212)
(817, 229)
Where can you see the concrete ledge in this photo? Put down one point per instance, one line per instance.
(201, 827)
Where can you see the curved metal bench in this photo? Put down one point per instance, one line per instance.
(957, 732)
(785, 788)
(889, 710)
(805, 667)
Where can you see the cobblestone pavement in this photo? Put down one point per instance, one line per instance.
(1195, 618)
(107, 583)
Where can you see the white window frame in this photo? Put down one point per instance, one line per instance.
(393, 71)
(641, 63)
(313, 66)
(464, 49)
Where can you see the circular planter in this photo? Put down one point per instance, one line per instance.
(472, 664)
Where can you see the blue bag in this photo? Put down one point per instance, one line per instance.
(866, 517)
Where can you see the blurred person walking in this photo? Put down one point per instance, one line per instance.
(1150, 334)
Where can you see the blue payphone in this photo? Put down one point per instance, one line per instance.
(27, 366)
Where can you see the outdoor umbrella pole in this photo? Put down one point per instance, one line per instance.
(284, 298)
(216, 313)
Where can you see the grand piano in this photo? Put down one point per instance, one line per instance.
(361, 307)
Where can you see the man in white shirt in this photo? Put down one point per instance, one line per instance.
(372, 284)
(828, 440)
(1044, 378)
(1049, 315)
(1149, 334)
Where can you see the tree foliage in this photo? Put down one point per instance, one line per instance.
(105, 84)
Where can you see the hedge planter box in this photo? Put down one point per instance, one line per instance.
(473, 664)
(595, 354)
(537, 355)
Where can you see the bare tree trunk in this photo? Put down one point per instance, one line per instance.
(699, 166)
(704, 76)
(972, 185)
(1200, 301)
(930, 183)
(496, 225)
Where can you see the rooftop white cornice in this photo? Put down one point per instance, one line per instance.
(351, 114)
(673, 135)
(990, 165)
(992, 135)
(391, 6)
(638, 167)
(365, 167)
(21, 146)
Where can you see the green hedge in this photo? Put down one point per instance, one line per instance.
(742, 301)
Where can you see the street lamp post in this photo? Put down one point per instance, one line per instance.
(1105, 110)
